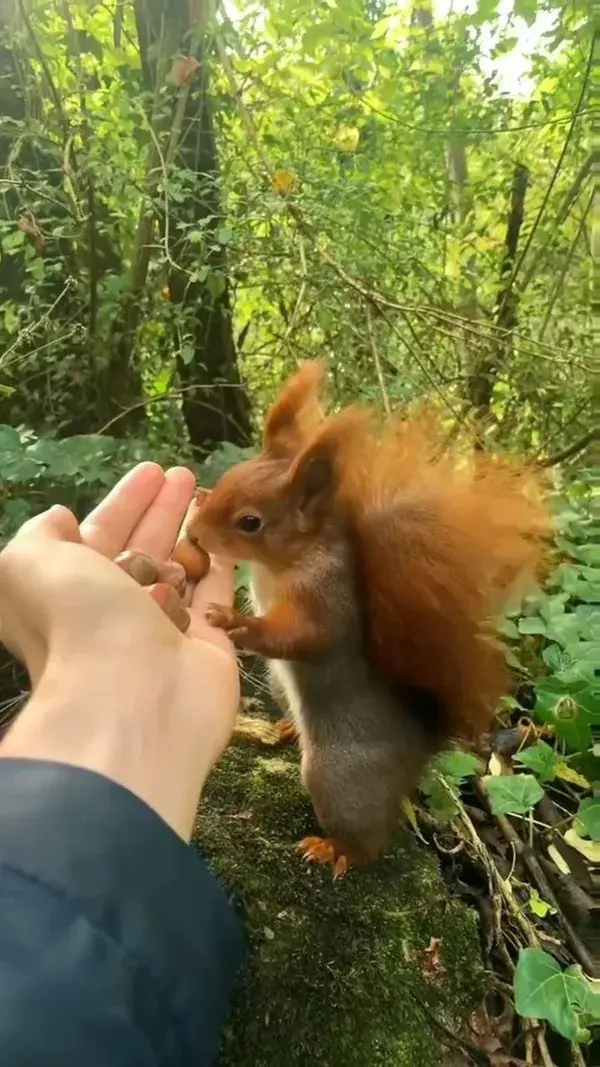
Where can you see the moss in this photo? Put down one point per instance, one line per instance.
(336, 972)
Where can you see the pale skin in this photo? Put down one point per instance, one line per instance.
(116, 687)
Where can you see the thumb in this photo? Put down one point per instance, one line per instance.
(56, 524)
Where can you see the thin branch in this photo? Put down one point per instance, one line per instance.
(530, 861)
(172, 394)
(45, 68)
(557, 168)
(571, 450)
(561, 215)
(501, 885)
(566, 264)
(544, 1050)
(375, 353)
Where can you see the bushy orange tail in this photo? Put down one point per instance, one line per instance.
(441, 538)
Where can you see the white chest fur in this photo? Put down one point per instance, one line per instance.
(262, 592)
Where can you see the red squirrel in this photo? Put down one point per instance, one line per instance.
(377, 559)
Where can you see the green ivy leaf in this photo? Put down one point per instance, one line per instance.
(456, 764)
(440, 799)
(513, 793)
(532, 625)
(588, 818)
(544, 991)
(541, 759)
(13, 240)
(590, 554)
(9, 440)
(507, 628)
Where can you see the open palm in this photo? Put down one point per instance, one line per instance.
(77, 620)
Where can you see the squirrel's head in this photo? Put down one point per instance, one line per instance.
(271, 508)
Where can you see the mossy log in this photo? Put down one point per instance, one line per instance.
(338, 972)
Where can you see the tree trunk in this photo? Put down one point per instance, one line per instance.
(484, 373)
(214, 403)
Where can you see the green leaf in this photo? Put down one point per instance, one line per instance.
(224, 235)
(541, 759)
(532, 625)
(456, 764)
(540, 907)
(380, 29)
(507, 44)
(9, 440)
(553, 657)
(215, 283)
(186, 354)
(590, 554)
(513, 793)
(544, 991)
(242, 577)
(487, 11)
(13, 240)
(527, 10)
(440, 799)
(588, 818)
(507, 628)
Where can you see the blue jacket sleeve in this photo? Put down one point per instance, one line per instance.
(118, 947)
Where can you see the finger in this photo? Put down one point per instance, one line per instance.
(218, 585)
(170, 602)
(108, 527)
(157, 530)
(56, 524)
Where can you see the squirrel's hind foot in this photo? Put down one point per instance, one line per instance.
(325, 850)
(287, 731)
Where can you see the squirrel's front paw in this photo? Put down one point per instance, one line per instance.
(219, 616)
(228, 619)
(324, 850)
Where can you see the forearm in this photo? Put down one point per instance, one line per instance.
(119, 945)
(109, 716)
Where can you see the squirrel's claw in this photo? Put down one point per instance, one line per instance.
(324, 850)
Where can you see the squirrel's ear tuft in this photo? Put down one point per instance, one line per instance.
(295, 417)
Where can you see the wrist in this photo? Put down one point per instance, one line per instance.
(129, 724)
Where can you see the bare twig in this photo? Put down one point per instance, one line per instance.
(34, 326)
(172, 394)
(375, 353)
(556, 172)
(45, 68)
(566, 264)
(530, 861)
(540, 1039)
(571, 450)
(501, 885)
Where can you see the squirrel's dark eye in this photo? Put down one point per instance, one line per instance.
(248, 523)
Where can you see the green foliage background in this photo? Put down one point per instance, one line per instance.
(194, 196)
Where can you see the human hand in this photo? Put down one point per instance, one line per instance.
(117, 688)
